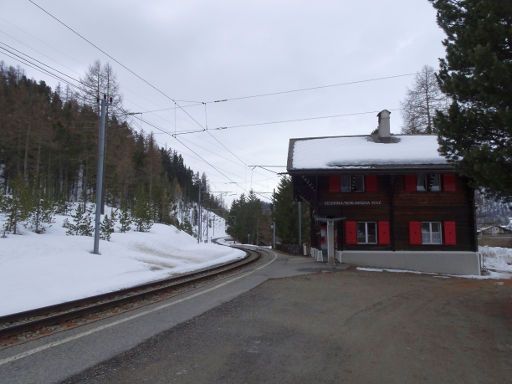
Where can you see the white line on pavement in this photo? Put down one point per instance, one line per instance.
(124, 320)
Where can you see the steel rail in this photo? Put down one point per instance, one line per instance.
(54, 315)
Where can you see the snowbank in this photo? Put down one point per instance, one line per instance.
(40, 270)
(496, 259)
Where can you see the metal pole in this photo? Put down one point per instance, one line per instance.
(300, 224)
(207, 226)
(274, 235)
(330, 241)
(199, 215)
(273, 221)
(104, 157)
(99, 175)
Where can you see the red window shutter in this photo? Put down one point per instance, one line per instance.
(384, 233)
(414, 232)
(370, 183)
(450, 233)
(410, 183)
(334, 183)
(350, 232)
(449, 184)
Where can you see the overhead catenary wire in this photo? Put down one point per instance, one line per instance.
(17, 53)
(31, 59)
(53, 72)
(194, 152)
(154, 87)
(210, 164)
(36, 50)
(205, 128)
(34, 66)
(178, 133)
(263, 167)
(341, 84)
(233, 161)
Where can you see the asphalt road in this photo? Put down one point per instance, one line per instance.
(334, 327)
(61, 355)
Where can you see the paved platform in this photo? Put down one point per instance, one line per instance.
(334, 327)
(61, 355)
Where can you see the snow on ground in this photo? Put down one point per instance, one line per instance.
(40, 270)
(496, 259)
(496, 262)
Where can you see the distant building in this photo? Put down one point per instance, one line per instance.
(386, 200)
(495, 230)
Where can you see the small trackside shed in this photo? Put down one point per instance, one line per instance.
(389, 201)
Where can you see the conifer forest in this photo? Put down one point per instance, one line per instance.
(48, 154)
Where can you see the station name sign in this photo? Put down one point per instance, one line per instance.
(351, 203)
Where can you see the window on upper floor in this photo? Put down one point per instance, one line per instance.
(428, 182)
(352, 183)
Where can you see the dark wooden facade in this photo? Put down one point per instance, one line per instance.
(391, 199)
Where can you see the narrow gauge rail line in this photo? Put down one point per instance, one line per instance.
(59, 317)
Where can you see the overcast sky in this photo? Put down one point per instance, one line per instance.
(205, 51)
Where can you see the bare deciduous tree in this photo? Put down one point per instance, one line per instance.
(421, 103)
(98, 81)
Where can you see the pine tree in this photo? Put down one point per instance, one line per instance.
(17, 206)
(285, 213)
(62, 207)
(186, 226)
(142, 212)
(125, 220)
(248, 222)
(41, 215)
(107, 226)
(81, 224)
(3, 202)
(476, 132)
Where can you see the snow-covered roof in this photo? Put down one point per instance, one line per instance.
(364, 152)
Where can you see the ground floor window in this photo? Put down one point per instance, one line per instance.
(366, 232)
(431, 232)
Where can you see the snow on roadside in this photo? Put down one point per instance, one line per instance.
(496, 258)
(40, 270)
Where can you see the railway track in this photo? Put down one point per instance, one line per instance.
(29, 325)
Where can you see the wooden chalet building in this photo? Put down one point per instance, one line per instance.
(386, 200)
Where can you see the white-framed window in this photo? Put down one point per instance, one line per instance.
(366, 232)
(428, 182)
(431, 232)
(352, 183)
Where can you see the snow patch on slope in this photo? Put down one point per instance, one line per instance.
(40, 270)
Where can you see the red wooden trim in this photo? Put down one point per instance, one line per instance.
(449, 184)
(371, 183)
(384, 236)
(334, 183)
(450, 233)
(410, 183)
(350, 232)
(414, 232)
